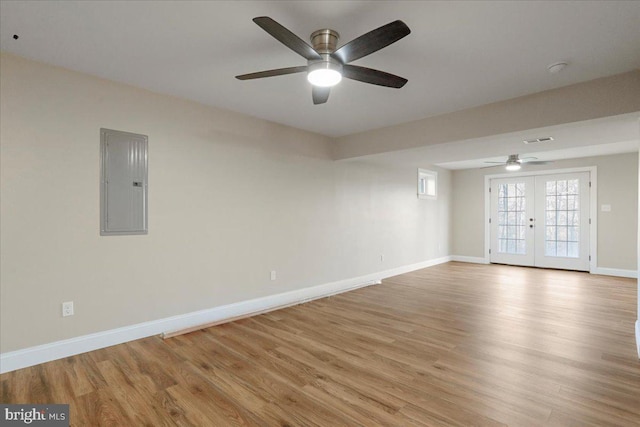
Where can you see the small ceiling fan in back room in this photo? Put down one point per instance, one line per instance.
(514, 162)
(326, 65)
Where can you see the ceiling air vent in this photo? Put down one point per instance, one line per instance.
(537, 140)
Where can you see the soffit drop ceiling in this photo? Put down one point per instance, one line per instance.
(459, 54)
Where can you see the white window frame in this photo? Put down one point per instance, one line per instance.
(424, 176)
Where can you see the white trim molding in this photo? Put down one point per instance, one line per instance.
(469, 259)
(617, 272)
(12, 360)
(638, 337)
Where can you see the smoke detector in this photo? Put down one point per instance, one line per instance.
(556, 67)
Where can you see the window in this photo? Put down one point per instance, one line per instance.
(562, 218)
(427, 184)
(512, 218)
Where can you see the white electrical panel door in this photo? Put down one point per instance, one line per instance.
(124, 184)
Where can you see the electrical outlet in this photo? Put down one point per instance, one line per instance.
(273, 275)
(382, 258)
(67, 308)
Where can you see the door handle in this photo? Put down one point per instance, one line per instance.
(137, 184)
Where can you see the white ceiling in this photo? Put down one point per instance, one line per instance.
(459, 54)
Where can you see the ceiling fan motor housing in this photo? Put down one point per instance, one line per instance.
(513, 158)
(325, 41)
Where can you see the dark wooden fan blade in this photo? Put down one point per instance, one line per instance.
(272, 73)
(286, 37)
(375, 77)
(372, 41)
(320, 94)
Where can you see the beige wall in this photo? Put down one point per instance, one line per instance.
(617, 230)
(231, 198)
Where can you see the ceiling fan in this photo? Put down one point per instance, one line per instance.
(514, 162)
(326, 65)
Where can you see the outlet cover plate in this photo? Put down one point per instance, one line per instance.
(67, 308)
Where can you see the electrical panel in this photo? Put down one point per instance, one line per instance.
(124, 183)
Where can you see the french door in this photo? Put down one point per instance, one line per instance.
(541, 221)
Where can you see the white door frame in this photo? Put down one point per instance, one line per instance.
(593, 207)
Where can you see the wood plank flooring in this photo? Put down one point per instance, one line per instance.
(452, 345)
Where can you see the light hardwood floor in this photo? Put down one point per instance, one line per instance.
(456, 344)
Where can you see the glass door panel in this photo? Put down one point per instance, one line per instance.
(565, 209)
(512, 208)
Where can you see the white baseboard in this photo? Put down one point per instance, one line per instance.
(618, 272)
(471, 259)
(411, 267)
(12, 360)
(638, 337)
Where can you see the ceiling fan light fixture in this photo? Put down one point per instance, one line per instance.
(324, 73)
(513, 166)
